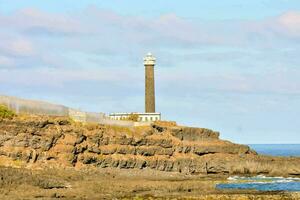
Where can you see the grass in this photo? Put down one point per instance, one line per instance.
(5, 113)
(166, 123)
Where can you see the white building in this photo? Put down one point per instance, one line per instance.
(150, 115)
(142, 117)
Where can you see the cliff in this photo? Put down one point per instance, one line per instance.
(38, 142)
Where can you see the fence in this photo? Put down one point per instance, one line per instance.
(33, 107)
(44, 108)
(20, 106)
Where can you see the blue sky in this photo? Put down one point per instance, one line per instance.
(232, 66)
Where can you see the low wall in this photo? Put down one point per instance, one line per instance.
(142, 123)
(113, 122)
(82, 116)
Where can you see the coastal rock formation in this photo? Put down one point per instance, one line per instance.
(35, 141)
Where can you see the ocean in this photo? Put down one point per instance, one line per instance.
(263, 183)
(277, 149)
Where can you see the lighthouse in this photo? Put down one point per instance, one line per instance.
(149, 116)
(149, 62)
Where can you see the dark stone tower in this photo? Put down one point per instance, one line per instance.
(149, 62)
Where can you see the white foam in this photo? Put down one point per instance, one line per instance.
(282, 181)
(233, 178)
(264, 179)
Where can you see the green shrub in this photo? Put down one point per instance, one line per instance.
(6, 113)
(133, 117)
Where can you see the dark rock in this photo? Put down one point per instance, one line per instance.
(158, 129)
(93, 149)
(194, 134)
(80, 138)
(63, 122)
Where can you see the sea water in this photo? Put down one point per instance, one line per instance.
(277, 149)
(263, 183)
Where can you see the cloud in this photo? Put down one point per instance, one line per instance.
(57, 78)
(107, 29)
(6, 61)
(191, 82)
(21, 47)
(36, 21)
(289, 23)
(16, 46)
(82, 45)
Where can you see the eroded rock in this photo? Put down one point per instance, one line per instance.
(43, 141)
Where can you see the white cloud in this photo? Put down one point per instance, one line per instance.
(6, 62)
(93, 38)
(34, 20)
(289, 23)
(21, 47)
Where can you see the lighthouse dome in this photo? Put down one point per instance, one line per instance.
(149, 59)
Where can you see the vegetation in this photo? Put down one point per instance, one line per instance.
(133, 117)
(166, 123)
(119, 129)
(6, 113)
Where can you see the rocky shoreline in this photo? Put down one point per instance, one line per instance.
(113, 183)
(164, 159)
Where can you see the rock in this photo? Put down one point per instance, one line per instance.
(216, 167)
(158, 129)
(45, 141)
(87, 158)
(122, 149)
(123, 140)
(107, 150)
(146, 151)
(80, 138)
(194, 134)
(93, 149)
(63, 122)
(96, 138)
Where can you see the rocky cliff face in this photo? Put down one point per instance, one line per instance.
(44, 141)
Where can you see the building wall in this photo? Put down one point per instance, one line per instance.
(143, 117)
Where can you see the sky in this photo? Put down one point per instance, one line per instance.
(232, 66)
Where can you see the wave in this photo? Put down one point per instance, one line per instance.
(263, 179)
(261, 183)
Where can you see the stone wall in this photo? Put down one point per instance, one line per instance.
(113, 122)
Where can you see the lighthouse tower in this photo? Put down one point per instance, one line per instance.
(149, 115)
(149, 62)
